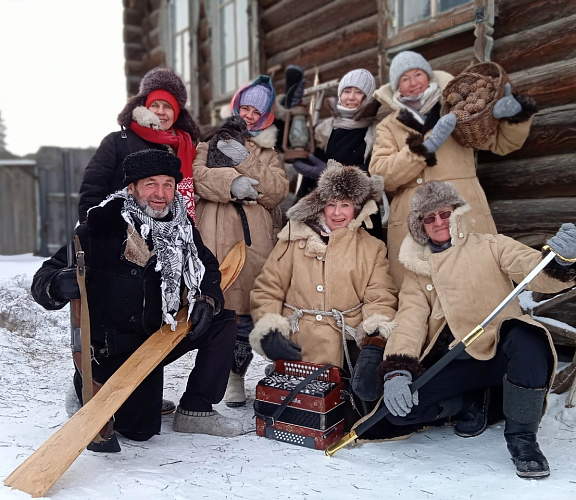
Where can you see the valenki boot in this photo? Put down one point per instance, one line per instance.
(523, 411)
(235, 395)
(206, 422)
(473, 418)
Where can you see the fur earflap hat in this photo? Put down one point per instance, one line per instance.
(428, 198)
(338, 182)
(151, 162)
(167, 80)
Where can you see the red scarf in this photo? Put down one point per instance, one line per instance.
(185, 151)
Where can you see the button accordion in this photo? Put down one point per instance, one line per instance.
(313, 417)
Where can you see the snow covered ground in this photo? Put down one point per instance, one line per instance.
(36, 368)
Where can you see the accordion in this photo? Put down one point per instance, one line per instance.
(292, 409)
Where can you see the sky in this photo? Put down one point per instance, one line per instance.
(36, 370)
(62, 77)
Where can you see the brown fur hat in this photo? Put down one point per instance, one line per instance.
(429, 198)
(233, 128)
(338, 182)
(162, 79)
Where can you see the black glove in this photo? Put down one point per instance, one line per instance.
(366, 383)
(276, 346)
(201, 318)
(64, 286)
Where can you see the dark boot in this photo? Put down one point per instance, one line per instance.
(523, 410)
(450, 407)
(473, 418)
(235, 395)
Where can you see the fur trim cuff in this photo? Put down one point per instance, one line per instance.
(529, 108)
(401, 362)
(415, 143)
(267, 323)
(146, 118)
(378, 323)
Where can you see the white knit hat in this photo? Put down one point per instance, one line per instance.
(403, 61)
(359, 78)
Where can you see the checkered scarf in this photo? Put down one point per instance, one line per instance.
(176, 253)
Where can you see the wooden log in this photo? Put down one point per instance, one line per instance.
(515, 16)
(287, 10)
(555, 302)
(533, 216)
(543, 177)
(553, 132)
(317, 23)
(551, 84)
(520, 50)
(343, 42)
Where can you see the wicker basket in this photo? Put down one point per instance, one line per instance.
(474, 131)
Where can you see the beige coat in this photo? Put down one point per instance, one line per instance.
(218, 221)
(306, 273)
(404, 170)
(460, 287)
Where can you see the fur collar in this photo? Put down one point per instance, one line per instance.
(415, 257)
(384, 94)
(266, 138)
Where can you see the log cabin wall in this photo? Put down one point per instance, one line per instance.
(334, 36)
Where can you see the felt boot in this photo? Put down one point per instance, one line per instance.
(523, 410)
(206, 422)
(235, 395)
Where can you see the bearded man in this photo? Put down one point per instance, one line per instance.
(144, 261)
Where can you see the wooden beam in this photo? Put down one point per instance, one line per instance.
(343, 42)
(317, 23)
(287, 10)
(533, 216)
(545, 177)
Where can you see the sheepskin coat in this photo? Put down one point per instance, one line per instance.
(218, 221)
(461, 286)
(304, 271)
(405, 164)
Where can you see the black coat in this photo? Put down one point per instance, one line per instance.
(104, 174)
(124, 298)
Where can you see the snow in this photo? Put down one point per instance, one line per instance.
(36, 369)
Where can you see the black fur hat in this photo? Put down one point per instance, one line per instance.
(151, 162)
(428, 198)
(162, 79)
(338, 182)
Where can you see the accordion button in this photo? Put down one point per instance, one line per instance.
(320, 288)
(318, 317)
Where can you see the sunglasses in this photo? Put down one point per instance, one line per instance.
(430, 219)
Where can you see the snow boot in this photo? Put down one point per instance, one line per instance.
(523, 410)
(235, 395)
(168, 407)
(473, 419)
(206, 422)
(449, 408)
(109, 445)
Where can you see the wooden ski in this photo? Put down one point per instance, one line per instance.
(38, 473)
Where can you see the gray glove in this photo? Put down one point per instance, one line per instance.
(507, 106)
(242, 189)
(440, 132)
(397, 395)
(564, 243)
(312, 167)
(233, 150)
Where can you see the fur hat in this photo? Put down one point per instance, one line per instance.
(338, 182)
(150, 162)
(403, 61)
(359, 78)
(162, 79)
(428, 198)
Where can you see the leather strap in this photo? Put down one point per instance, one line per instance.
(87, 388)
(244, 220)
(270, 420)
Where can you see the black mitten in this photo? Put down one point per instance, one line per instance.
(276, 346)
(201, 317)
(64, 286)
(366, 383)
